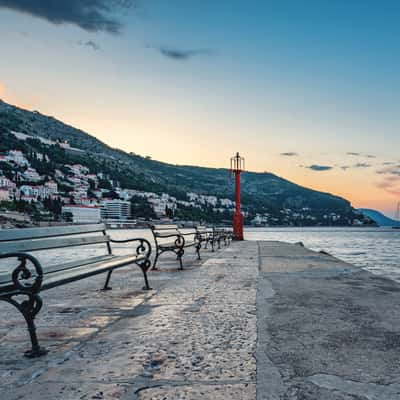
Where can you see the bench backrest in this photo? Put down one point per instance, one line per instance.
(35, 239)
(161, 228)
(159, 231)
(203, 230)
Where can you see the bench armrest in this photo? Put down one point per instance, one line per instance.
(195, 234)
(143, 247)
(27, 276)
(204, 232)
(179, 241)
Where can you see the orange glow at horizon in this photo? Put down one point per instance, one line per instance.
(11, 98)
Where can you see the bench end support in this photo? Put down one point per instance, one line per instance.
(145, 266)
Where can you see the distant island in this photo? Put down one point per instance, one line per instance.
(379, 218)
(50, 171)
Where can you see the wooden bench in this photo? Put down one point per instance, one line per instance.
(206, 236)
(223, 234)
(23, 277)
(213, 236)
(168, 238)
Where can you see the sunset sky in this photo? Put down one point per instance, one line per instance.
(308, 90)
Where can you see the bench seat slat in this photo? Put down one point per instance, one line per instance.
(72, 273)
(165, 227)
(36, 233)
(62, 277)
(5, 273)
(47, 244)
(166, 234)
(75, 264)
(173, 245)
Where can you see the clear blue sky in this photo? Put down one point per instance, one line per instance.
(194, 81)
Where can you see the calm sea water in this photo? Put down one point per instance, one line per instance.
(375, 249)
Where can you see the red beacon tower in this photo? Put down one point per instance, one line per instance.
(237, 166)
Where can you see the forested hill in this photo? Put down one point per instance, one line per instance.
(261, 192)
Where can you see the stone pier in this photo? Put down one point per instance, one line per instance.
(256, 320)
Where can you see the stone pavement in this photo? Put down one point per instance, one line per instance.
(256, 320)
(326, 330)
(192, 337)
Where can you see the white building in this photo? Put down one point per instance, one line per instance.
(74, 180)
(6, 183)
(66, 146)
(212, 200)
(192, 196)
(227, 203)
(158, 206)
(78, 169)
(98, 193)
(51, 187)
(4, 194)
(31, 175)
(23, 136)
(115, 209)
(124, 194)
(41, 157)
(43, 191)
(58, 173)
(18, 157)
(83, 214)
(28, 190)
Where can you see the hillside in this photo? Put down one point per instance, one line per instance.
(379, 218)
(262, 193)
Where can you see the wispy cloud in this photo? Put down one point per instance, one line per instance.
(289, 154)
(391, 186)
(91, 44)
(362, 165)
(357, 154)
(90, 15)
(393, 170)
(319, 168)
(390, 179)
(180, 54)
(354, 166)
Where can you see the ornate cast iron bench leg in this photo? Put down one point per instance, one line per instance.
(29, 308)
(156, 259)
(106, 286)
(27, 279)
(180, 254)
(145, 266)
(198, 248)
